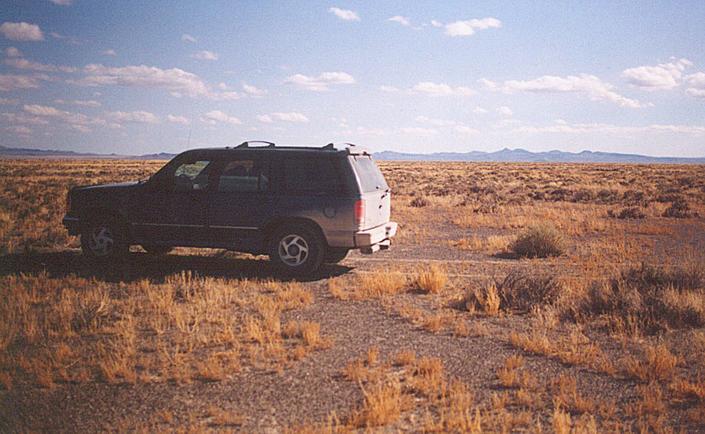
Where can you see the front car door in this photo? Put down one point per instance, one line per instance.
(173, 208)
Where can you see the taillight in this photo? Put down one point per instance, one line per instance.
(359, 212)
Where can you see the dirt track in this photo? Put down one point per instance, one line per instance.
(309, 390)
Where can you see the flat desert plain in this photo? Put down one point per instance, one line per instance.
(516, 297)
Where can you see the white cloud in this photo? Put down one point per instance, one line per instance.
(10, 82)
(8, 101)
(435, 23)
(188, 38)
(253, 90)
(12, 52)
(479, 110)
(21, 31)
(390, 89)
(216, 116)
(696, 85)
(20, 63)
(205, 55)
(505, 111)
(344, 14)
(62, 2)
(404, 21)
(462, 129)
(78, 121)
(322, 82)
(109, 52)
(70, 39)
(468, 27)
(286, 117)
(178, 119)
(661, 76)
(79, 102)
(141, 117)
(455, 126)
(435, 122)
(441, 89)
(20, 130)
(585, 84)
(417, 131)
(177, 81)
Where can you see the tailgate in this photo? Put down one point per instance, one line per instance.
(377, 208)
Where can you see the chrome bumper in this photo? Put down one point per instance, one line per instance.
(379, 238)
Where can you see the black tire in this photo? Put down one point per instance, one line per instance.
(156, 250)
(335, 255)
(104, 239)
(305, 251)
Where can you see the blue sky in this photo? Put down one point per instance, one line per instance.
(134, 77)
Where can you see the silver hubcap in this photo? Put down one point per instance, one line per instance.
(293, 250)
(101, 241)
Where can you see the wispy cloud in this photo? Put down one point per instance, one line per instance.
(441, 89)
(321, 82)
(79, 102)
(175, 119)
(294, 117)
(658, 77)
(344, 14)
(141, 117)
(469, 27)
(216, 116)
(404, 21)
(253, 90)
(21, 31)
(583, 84)
(205, 55)
(62, 2)
(188, 38)
(696, 85)
(177, 81)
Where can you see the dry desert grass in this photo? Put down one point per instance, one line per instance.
(564, 298)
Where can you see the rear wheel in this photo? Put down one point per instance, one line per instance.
(335, 255)
(103, 239)
(156, 250)
(296, 250)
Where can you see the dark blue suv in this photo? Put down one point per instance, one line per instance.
(301, 206)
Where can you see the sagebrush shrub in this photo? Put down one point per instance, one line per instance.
(541, 241)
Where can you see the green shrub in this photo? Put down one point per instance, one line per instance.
(539, 241)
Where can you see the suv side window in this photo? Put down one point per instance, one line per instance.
(244, 175)
(311, 176)
(192, 175)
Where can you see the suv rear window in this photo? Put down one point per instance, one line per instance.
(311, 176)
(371, 178)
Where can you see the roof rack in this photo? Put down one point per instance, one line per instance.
(246, 144)
(357, 151)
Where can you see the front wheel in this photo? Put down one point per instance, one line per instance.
(103, 239)
(296, 250)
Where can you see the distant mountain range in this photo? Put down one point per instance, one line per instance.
(504, 155)
(522, 155)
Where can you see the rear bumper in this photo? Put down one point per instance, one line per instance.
(372, 240)
(72, 224)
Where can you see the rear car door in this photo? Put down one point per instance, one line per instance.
(241, 202)
(174, 209)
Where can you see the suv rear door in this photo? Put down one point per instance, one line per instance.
(374, 192)
(241, 201)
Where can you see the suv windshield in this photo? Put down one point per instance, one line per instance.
(371, 178)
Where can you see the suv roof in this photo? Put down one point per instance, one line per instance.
(350, 148)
